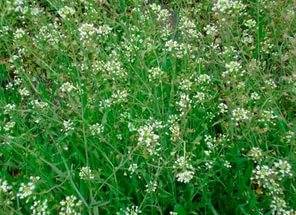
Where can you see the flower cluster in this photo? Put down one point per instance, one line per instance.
(26, 190)
(70, 206)
(184, 170)
(269, 178)
(40, 207)
(86, 173)
(148, 138)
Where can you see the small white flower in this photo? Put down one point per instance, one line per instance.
(184, 170)
(151, 187)
(86, 173)
(68, 126)
(24, 92)
(70, 206)
(96, 129)
(223, 108)
(39, 207)
(67, 87)
(9, 126)
(66, 11)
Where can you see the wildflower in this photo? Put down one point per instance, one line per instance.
(86, 31)
(185, 84)
(133, 210)
(19, 33)
(256, 154)
(114, 69)
(96, 129)
(175, 131)
(119, 96)
(240, 115)
(67, 87)
(133, 168)
(39, 104)
(6, 193)
(24, 92)
(9, 126)
(184, 170)
(162, 14)
(269, 84)
(227, 6)
(227, 164)
(39, 207)
(184, 103)
(255, 96)
(211, 30)
(233, 68)
(86, 173)
(68, 126)
(66, 11)
(250, 23)
(4, 186)
(200, 97)
(155, 74)
(26, 190)
(267, 117)
(70, 206)
(204, 79)
(185, 176)
(279, 206)
(223, 108)
(151, 187)
(283, 168)
(148, 138)
(188, 28)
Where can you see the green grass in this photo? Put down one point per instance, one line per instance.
(129, 107)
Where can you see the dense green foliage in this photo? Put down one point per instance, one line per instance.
(142, 107)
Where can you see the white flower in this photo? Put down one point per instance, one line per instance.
(148, 138)
(255, 96)
(204, 79)
(70, 206)
(86, 173)
(227, 5)
(4, 186)
(151, 187)
(19, 33)
(9, 125)
(223, 108)
(6, 193)
(119, 96)
(283, 168)
(184, 170)
(133, 210)
(24, 92)
(96, 129)
(132, 168)
(68, 126)
(26, 190)
(185, 176)
(66, 11)
(200, 97)
(155, 74)
(39, 207)
(255, 153)
(240, 115)
(184, 103)
(39, 104)
(67, 87)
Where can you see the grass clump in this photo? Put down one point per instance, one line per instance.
(143, 107)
